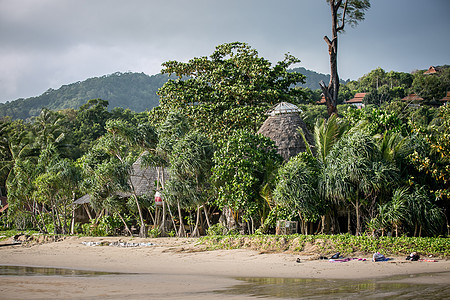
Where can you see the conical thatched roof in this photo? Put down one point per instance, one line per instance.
(281, 126)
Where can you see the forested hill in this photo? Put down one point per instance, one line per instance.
(313, 78)
(136, 91)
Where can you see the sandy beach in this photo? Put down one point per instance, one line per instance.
(175, 268)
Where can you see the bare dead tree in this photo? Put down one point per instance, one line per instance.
(342, 12)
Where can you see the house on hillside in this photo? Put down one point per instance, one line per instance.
(357, 100)
(282, 127)
(322, 101)
(431, 70)
(413, 100)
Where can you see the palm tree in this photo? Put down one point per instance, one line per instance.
(397, 210)
(354, 171)
(119, 142)
(424, 215)
(297, 189)
(157, 155)
(326, 134)
(190, 169)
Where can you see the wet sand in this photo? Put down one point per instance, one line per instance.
(175, 268)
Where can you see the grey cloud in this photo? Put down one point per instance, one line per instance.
(48, 43)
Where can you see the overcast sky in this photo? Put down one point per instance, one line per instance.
(48, 43)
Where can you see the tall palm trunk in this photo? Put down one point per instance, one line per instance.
(181, 230)
(358, 217)
(142, 229)
(196, 231)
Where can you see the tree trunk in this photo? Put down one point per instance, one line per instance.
(196, 231)
(349, 221)
(127, 229)
(252, 231)
(322, 231)
(358, 218)
(206, 210)
(151, 216)
(230, 221)
(86, 208)
(162, 227)
(181, 230)
(143, 228)
(332, 90)
(172, 218)
(72, 223)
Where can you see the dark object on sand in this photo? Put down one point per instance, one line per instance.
(336, 256)
(413, 257)
(298, 260)
(323, 257)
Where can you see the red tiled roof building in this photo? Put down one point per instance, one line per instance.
(357, 100)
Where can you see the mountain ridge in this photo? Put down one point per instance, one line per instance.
(130, 90)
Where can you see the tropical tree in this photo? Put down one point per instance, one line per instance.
(396, 211)
(89, 123)
(105, 178)
(342, 12)
(298, 189)
(169, 133)
(55, 187)
(228, 91)
(424, 216)
(326, 134)
(240, 168)
(355, 172)
(432, 87)
(190, 171)
(432, 157)
(123, 144)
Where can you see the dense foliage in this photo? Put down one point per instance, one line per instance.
(378, 171)
(327, 245)
(229, 91)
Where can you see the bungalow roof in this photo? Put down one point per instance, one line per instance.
(357, 99)
(431, 70)
(322, 100)
(412, 97)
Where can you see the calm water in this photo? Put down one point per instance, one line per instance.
(41, 271)
(288, 288)
(284, 288)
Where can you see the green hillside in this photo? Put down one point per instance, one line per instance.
(313, 78)
(136, 91)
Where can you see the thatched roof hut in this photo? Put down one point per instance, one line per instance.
(144, 179)
(282, 127)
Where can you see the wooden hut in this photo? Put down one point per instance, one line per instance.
(282, 127)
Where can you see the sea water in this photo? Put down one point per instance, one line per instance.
(272, 288)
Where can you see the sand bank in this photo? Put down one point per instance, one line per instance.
(182, 261)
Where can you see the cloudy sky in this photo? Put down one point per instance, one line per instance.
(47, 43)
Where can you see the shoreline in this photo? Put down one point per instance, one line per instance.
(178, 268)
(184, 256)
